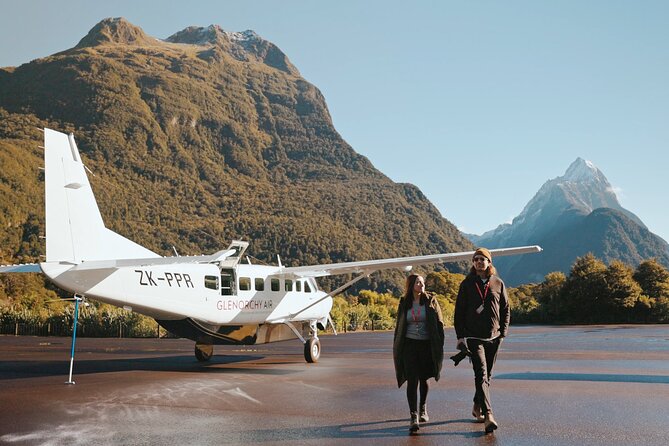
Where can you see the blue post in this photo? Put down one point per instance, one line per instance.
(74, 335)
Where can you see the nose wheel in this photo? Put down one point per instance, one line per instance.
(312, 350)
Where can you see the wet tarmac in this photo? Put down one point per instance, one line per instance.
(594, 385)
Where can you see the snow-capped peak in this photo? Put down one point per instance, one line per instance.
(582, 170)
(243, 36)
(209, 35)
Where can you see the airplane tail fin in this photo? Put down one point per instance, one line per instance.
(75, 231)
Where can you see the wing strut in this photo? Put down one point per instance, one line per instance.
(297, 333)
(332, 324)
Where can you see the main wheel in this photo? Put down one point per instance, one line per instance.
(312, 350)
(204, 352)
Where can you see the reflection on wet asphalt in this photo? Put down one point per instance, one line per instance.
(594, 385)
(595, 377)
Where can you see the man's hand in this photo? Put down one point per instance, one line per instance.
(461, 341)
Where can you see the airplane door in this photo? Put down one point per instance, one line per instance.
(227, 282)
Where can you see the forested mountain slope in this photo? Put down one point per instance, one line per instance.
(198, 139)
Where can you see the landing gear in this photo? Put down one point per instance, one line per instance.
(204, 352)
(312, 350)
(312, 346)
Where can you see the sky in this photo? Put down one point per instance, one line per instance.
(478, 103)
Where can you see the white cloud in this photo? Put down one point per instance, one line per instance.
(618, 191)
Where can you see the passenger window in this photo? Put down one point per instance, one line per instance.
(275, 284)
(260, 284)
(307, 288)
(244, 284)
(211, 282)
(289, 285)
(298, 286)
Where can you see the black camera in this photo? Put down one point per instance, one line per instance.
(462, 354)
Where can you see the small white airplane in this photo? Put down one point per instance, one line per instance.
(214, 299)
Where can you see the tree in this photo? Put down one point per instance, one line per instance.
(620, 295)
(584, 290)
(660, 310)
(358, 315)
(338, 313)
(549, 297)
(444, 283)
(380, 317)
(653, 279)
(524, 305)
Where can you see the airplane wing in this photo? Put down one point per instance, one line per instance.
(370, 266)
(22, 268)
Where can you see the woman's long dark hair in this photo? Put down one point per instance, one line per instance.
(408, 290)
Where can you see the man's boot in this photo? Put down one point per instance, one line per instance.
(413, 427)
(424, 418)
(490, 423)
(476, 413)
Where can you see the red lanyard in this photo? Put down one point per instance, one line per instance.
(485, 291)
(413, 315)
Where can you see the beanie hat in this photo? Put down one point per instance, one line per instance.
(483, 252)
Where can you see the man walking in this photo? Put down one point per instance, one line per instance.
(482, 316)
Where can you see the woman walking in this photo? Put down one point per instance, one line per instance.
(418, 347)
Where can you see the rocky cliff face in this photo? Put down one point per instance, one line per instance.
(198, 139)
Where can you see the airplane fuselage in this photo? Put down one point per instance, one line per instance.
(238, 295)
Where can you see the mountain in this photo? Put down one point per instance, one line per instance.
(570, 216)
(198, 139)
